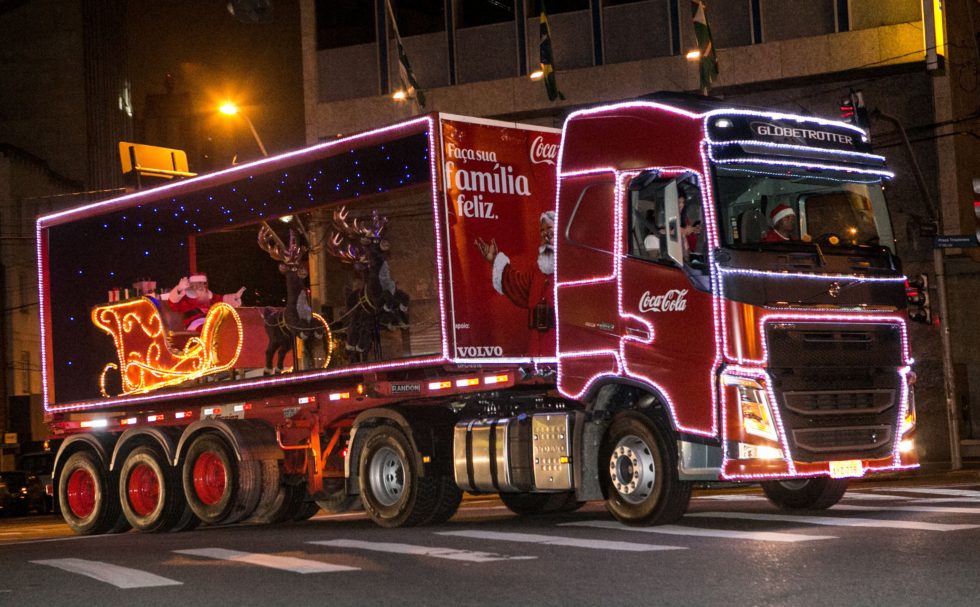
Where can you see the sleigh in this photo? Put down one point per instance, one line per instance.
(154, 351)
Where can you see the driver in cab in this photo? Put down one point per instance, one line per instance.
(783, 220)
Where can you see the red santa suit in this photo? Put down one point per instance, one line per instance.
(193, 310)
(533, 290)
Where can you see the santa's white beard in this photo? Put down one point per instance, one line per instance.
(546, 260)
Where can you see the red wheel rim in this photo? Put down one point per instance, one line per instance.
(81, 493)
(209, 478)
(143, 488)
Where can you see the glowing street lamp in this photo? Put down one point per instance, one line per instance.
(230, 109)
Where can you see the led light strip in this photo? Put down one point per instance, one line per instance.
(797, 163)
(788, 146)
(876, 180)
(781, 116)
(810, 276)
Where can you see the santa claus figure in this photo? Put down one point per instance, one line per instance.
(192, 299)
(530, 288)
(783, 220)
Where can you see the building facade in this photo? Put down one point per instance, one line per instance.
(913, 61)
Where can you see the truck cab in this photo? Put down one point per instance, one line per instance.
(734, 269)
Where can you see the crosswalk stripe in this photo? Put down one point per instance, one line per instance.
(934, 491)
(832, 521)
(933, 509)
(284, 563)
(762, 536)
(551, 540)
(854, 495)
(120, 577)
(433, 551)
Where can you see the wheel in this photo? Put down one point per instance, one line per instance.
(337, 499)
(150, 493)
(540, 503)
(639, 470)
(818, 493)
(88, 497)
(306, 509)
(393, 492)
(272, 496)
(449, 496)
(219, 488)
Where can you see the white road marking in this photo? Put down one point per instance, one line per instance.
(551, 540)
(761, 536)
(120, 577)
(284, 563)
(833, 521)
(436, 552)
(854, 495)
(735, 497)
(935, 491)
(935, 509)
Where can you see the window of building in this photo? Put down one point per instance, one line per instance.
(417, 17)
(556, 6)
(344, 23)
(474, 13)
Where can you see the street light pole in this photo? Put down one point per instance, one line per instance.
(230, 109)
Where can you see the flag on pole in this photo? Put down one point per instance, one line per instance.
(405, 75)
(547, 59)
(708, 61)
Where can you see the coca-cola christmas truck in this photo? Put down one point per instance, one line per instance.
(666, 291)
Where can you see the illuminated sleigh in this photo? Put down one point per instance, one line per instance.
(152, 356)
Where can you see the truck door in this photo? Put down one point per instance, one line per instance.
(667, 327)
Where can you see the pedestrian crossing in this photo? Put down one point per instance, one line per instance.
(748, 520)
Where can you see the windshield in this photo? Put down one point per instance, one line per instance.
(761, 207)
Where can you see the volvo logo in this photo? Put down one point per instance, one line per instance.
(834, 290)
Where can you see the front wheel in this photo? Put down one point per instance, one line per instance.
(818, 493)
(639, 472)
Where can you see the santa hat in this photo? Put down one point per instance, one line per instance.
(779, 212)
(198, 278)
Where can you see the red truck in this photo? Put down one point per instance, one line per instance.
(664, 292)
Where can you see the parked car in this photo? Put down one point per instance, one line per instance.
(41, 464)
(22, 492)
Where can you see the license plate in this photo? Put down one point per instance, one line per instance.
(846, 469)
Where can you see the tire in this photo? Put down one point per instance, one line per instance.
(818, 493)
(88, 496)
(272, 496)
(448, 498)
(306, 509)
(337, 499)
(638, 464)
(540, 503)
(393, 492)
(219, 488)
(150, 492)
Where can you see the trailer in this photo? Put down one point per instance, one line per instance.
(454, 304)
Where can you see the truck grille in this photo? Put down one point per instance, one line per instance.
(836, 388)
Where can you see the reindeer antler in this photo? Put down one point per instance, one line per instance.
(352, 240)
(270, 242)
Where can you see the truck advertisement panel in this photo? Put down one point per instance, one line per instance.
(500, 182)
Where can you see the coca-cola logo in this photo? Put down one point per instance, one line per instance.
(674, 300)
(542, 152)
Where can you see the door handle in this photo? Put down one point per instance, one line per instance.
(638, 332)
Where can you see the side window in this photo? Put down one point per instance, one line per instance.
(665, 219)
(586, 224)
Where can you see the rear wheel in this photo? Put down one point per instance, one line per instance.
(219, 488)
(150, 493)
(88, 496)
(540, 503)
(639, 470)
(393, 491)
(818, 493)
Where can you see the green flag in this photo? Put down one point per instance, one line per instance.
(547, 59)
(709, 60)
(405, 75)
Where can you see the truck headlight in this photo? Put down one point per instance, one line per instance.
(908, 422)
(753, 405)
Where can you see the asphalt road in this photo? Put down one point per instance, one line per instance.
(885, 544)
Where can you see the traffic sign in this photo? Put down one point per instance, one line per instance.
(954, 241)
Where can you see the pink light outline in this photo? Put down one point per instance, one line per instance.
(41, 222)
(789, 146)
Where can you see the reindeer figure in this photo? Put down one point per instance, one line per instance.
(284, 325)
(374, 300)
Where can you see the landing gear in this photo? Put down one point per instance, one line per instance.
(818, 493)
(639, 466)
(540, 503)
